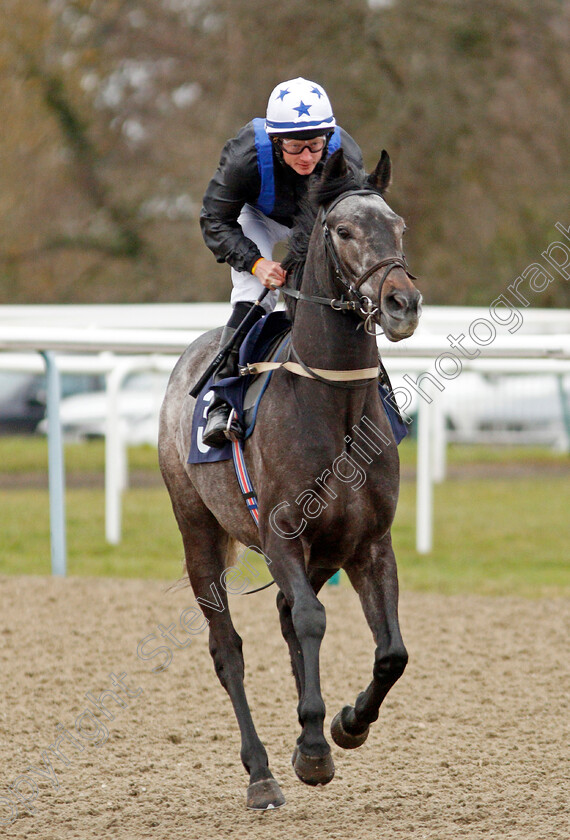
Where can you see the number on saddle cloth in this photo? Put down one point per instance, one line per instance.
(256, 347)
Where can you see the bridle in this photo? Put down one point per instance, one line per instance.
(357, 302)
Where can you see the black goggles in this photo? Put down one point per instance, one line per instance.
(297, 147)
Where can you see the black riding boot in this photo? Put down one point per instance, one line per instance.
(219, 411)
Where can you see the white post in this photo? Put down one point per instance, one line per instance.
(424, 490)
(114, 458)
(116, 461)
(56, 468)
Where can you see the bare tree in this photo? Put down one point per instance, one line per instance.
(116, 112)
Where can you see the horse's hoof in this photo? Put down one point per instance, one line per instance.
(313, 770)
(343, 738)
(264, 795)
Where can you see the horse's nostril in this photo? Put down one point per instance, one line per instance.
(398, 301)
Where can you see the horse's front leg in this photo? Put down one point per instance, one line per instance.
(317, 579)
(376, 581)
(303, 623)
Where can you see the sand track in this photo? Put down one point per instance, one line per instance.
(470, 743)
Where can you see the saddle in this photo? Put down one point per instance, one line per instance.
(268, 340)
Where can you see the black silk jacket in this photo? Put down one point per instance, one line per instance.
(237, 182)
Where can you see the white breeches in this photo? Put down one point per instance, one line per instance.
(266, 233)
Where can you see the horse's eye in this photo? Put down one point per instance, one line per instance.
(343, 232)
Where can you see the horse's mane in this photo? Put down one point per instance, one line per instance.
(322, 191)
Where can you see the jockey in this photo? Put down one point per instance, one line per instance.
(252, 199)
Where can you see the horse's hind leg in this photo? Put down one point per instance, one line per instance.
(376, 582)
(205, 546)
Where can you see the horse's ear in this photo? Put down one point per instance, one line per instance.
(335, 167)
(381, 177)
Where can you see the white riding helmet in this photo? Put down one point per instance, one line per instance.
(299, 106)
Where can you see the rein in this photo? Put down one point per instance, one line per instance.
(357, 302)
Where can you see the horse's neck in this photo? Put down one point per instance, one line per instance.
(329, 339)
(324, 337)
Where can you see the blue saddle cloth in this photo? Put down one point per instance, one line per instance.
(255, 348)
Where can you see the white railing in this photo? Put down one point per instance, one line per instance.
(152, 336)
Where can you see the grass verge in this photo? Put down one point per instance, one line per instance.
(491, 536)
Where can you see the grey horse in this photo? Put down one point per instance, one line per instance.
(324, 465)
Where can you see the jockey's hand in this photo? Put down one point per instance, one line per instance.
(269, 273)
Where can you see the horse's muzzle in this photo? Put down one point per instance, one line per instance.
(400, 314)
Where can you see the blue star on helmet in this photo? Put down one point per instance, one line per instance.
(318, 92)
(282, 94)
(302, 109)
